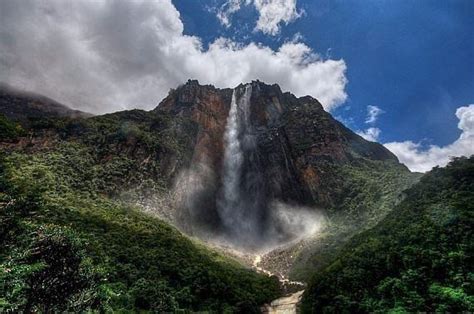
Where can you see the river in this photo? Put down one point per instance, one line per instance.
(284, 305)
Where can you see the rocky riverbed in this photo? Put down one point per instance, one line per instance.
(285, 305)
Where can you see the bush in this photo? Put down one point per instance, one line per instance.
(48, 275)
(9, 130)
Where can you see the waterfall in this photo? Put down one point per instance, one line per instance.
(230, 205)
(249, 216)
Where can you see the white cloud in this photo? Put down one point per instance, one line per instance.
(373, 112)
(371, 134)
(227, 9)
(417, 159)
(274, 12)
(271, 13)
(102, 56)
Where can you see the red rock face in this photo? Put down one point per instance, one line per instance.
(298, 150)
(298, 143)
(208, 107)
(290, 150)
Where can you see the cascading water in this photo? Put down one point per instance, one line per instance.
(231, 206)
(249, 215)
(239, 205)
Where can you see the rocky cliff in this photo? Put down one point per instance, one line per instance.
(296, 138)
(283, 166)
(292, 152)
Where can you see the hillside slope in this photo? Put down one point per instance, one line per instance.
(96, 176)
(418, 259)
(63, 249)
(72, 235)
(169, 161)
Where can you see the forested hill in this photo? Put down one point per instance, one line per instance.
(63, 249)
(418, 259)
(80, 199)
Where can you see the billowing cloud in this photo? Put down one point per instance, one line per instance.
(102, 56)
(420, 160)
(271, 13)
(371, 134)
(373, 112)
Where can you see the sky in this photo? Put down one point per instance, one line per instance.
(397, 72)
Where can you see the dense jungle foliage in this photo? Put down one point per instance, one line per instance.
(72, 240)
(9, 130)
(65, 247)
(367, 191)
(418, 259)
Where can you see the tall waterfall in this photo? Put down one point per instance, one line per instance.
(249, 215)
(241, 204)
(231, 204)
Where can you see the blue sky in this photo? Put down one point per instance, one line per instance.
(399, 72)
(412, 59)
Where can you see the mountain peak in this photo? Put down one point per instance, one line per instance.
(256, 85)
(290, 146)
(262, 93)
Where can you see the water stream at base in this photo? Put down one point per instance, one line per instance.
(281, 278)
(284, 305)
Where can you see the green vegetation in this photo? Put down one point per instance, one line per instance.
(126, 155)
(365, 191)
(66, 246)
(71, 240)
(418, 258)
(144, 131)
(9, 130)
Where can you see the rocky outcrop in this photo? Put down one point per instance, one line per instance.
(291, 150)
(208, 107)
(298, 150)
(298, 142)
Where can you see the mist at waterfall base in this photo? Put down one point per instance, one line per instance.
(245, 217)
